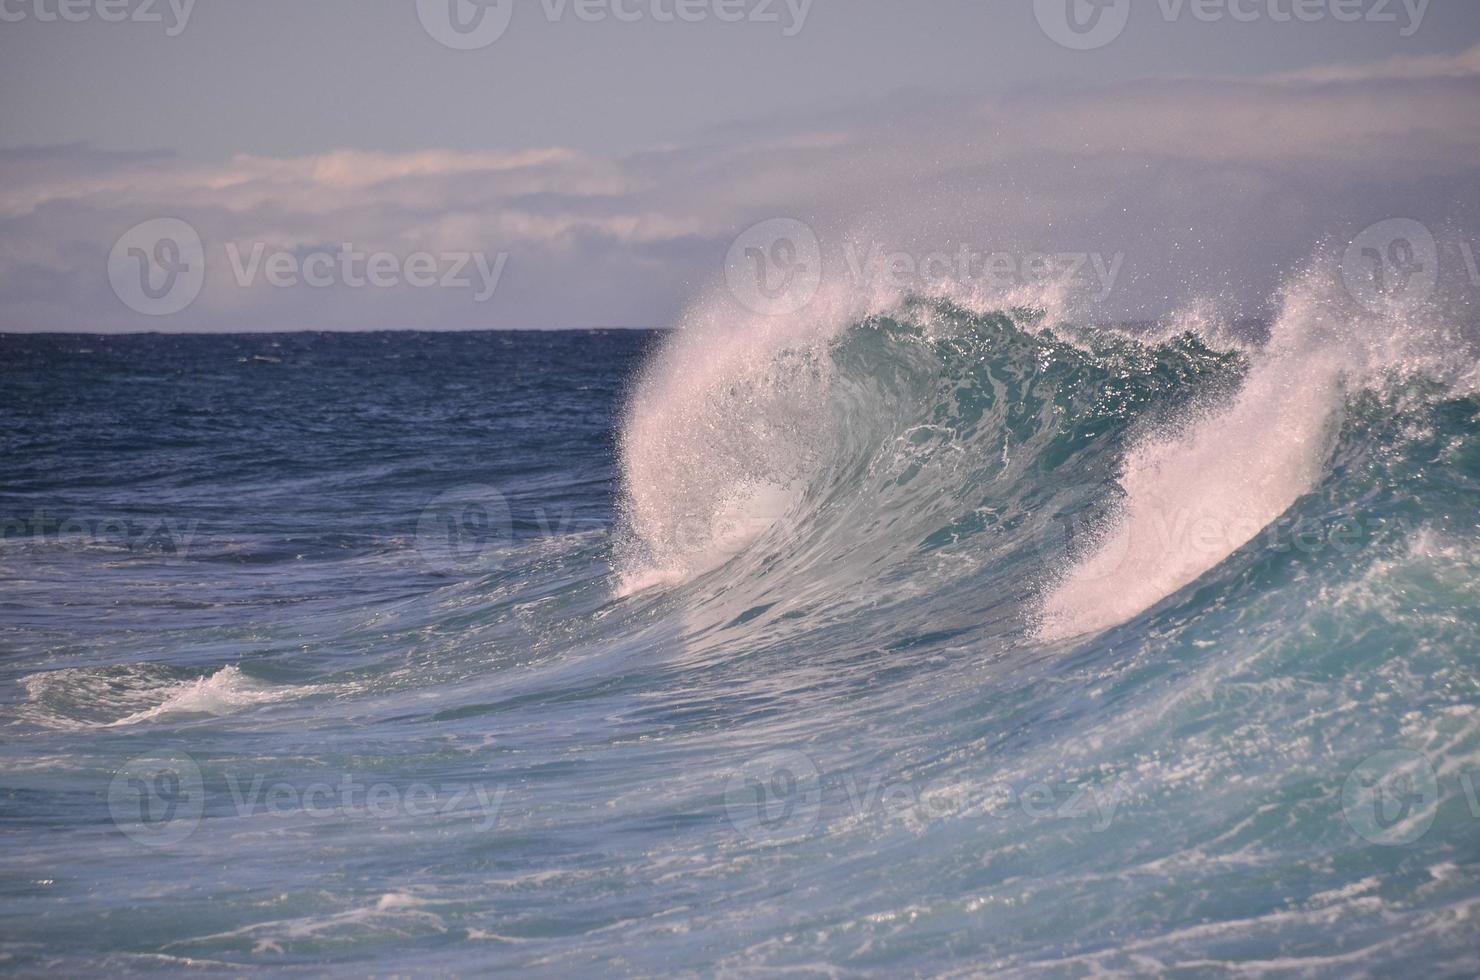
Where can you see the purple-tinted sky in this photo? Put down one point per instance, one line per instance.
(591, 162)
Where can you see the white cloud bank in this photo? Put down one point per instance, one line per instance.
(1207, 188)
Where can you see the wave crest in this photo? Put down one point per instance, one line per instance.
(845, 449)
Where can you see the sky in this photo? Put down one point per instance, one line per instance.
(365, 164)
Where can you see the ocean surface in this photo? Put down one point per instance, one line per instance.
(921, 640)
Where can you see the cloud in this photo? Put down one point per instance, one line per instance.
(1214, 187)
(1465, 64)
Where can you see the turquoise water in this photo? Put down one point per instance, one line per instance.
(938, 641)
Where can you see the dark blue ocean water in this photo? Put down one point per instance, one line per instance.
(470, 653)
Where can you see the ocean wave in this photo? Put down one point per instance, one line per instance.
(1110, 468)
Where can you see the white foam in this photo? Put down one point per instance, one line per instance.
(81, 698)
(1194, 497)
(226, 691)
(399, 912)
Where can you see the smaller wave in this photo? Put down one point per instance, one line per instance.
(132, 694)
(222, 693)
(1194, 497)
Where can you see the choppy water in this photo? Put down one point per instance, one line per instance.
(923, 639)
